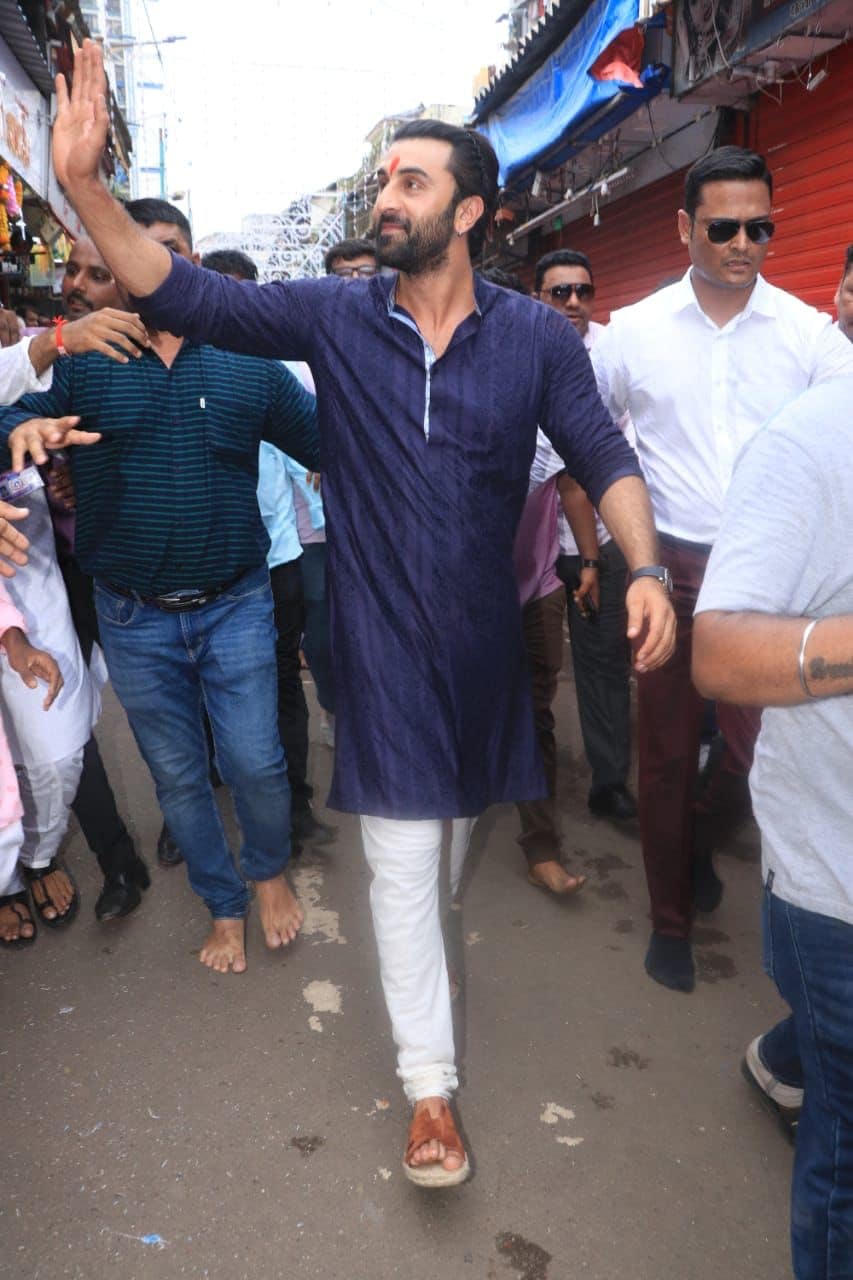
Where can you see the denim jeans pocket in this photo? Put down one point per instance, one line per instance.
(250, 584)
(118, 611)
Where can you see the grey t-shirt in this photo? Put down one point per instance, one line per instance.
(785, 548)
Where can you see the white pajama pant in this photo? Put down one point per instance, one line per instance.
(47, 793)
(405, 858)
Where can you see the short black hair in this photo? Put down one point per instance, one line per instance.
(230, 262)
(473, 164)
(724, 164)
(506, 280)
(562, 258)
(848, 261)
(149, 210)
(346, 250)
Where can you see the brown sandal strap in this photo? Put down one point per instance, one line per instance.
(440, 1128)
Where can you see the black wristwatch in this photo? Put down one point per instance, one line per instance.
(589, 564)
(658, 571)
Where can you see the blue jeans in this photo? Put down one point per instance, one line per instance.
(317, 641)
(810, 958)
(166, 668)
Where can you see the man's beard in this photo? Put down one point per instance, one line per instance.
(421, 248)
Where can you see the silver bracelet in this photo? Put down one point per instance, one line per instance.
(801, 658)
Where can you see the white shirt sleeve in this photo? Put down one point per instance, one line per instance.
(17, 375)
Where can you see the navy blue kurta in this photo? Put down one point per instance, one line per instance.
(425, 471)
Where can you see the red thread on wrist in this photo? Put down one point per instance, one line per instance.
(57, 334)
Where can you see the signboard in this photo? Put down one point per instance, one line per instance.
(24, 123)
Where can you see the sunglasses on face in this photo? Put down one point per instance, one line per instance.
(722, 230)
(561, 292)
(351, 273)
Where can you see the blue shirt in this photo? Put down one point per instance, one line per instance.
(167, 499)
(425, 466)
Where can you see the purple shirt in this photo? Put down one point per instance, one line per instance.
(425, 472)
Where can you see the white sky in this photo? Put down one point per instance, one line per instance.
(279, 103)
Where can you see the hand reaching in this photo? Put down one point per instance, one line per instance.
(13, 544)
(37, 435)
(109, 331)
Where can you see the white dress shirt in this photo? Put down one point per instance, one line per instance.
(17, 375)
(697, 393)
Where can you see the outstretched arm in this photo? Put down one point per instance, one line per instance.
(79, 138)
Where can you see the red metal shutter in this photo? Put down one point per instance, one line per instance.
(634, 248)
(808, 143)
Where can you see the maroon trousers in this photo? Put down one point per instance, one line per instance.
(673, 825)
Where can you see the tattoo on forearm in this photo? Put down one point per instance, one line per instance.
(820, 669)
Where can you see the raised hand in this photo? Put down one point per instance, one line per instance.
(109, 331)
(82, 120)
(10, 332)
(37, 435)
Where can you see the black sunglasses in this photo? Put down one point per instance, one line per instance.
(562, 291)
(722, 230)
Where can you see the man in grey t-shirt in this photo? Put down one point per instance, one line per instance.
(774, 628)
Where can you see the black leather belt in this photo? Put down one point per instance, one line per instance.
(177, 601)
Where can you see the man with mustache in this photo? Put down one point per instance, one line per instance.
(701, 366)
(431, 384)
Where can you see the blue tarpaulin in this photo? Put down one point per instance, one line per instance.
(561, 94)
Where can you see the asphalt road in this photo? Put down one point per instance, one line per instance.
(162, 1121)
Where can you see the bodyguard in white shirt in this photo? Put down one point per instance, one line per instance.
(701, 366)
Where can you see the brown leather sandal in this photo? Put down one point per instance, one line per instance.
(425, 1128)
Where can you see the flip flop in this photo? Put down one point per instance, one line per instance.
(16, 900)
(425, 1128)
(36, 875)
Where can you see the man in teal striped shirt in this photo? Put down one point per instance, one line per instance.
(168, 525)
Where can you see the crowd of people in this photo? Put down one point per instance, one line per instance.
(224, 473)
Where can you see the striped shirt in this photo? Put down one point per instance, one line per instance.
(167, 500)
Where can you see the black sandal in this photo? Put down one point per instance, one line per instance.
(16, 900)
(36, 875)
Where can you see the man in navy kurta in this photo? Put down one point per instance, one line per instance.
(430, 389)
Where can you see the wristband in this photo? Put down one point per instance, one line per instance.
(57, 336)
(801, 657)
(589, 564)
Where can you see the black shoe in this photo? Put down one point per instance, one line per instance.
(304, 826)
(168, 853)
(670, 962)
(707, 885)
(121, 894)
(613, 802)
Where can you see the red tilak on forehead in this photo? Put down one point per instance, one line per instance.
(394, 164)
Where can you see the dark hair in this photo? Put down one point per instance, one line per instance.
(147, 211)
(230, 262)
(724, 164)
(506, 280)
(473, 164)
(562, 258)
(848, 260)
(346, 250)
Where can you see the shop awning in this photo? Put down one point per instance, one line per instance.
(561, 108)
(15, 30)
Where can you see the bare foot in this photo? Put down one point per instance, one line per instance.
(16, 922)
(225, 947)
(554, 877)
(53, 894)
(281, 914)
(435, 1151)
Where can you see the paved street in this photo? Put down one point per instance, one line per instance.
(161, 1121)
